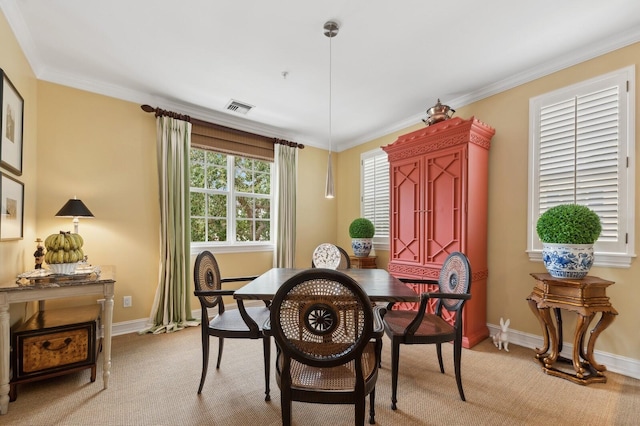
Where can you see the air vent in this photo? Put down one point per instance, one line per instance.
(238, 107)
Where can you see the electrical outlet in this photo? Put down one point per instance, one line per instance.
(126, 301)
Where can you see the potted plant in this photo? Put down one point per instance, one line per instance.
(361, 232)
(568, 232)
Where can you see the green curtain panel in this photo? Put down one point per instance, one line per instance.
(286, 163)
(172, 307)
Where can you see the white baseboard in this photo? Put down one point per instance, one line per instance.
(615, 363)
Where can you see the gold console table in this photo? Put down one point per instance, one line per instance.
(586, 297)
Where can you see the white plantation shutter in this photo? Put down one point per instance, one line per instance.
(375, 192)
(579, 145)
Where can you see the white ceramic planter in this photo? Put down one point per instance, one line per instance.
(567, 260)
(361, 246)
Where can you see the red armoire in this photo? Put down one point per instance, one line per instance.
(439, 184)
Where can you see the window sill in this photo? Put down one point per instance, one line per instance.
(196, 248)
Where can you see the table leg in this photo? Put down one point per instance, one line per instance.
(5, 336)
(581, 329)
(545, 313)
(108, 320)
(605, 320)
(545, 334)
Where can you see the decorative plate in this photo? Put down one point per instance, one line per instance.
(326, 256)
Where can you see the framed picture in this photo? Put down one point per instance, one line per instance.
(12, 208)
(11, 126)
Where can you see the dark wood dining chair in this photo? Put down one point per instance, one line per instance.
(320, 256)
(241, 323)
(421, 327)
(328, 340)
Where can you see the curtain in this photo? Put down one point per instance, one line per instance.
(172, 307)
(286, 164)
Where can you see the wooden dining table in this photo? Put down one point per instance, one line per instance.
(379, 285)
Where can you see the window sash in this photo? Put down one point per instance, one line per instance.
(579, 145)
(375, 195)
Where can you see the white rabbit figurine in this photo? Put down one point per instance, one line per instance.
(501, 338)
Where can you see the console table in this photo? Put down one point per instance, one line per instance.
(54, 287)
(586, 297)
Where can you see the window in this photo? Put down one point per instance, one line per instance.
(230, 200)
(374, 175)
(581, 147)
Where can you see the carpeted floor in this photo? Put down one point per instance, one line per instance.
(154, 381)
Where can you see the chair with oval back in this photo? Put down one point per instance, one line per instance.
(328, 340)
(241, 323)
(326, 256)
(421, 327)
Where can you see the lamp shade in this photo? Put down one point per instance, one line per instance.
(74, 208)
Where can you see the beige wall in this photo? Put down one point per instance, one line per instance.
(17, 255)
(509, 282)
(102, 150)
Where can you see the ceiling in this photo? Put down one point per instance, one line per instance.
(390, 62)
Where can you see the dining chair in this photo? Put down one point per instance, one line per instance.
(421, 327)
(240, 323)
(330, 256)
(328, 341)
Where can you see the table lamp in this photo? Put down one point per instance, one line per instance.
(74, 208)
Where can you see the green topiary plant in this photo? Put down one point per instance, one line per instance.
(569, 224)
(361, 228)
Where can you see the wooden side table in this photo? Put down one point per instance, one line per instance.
(586, 297)
(368, 262)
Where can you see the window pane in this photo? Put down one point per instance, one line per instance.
(263, 231)
(263, 208)
(197, 168)
(244, 230)
(217, 230)
(244, 207)
(197, 204)
(217, 205)
(197, 230)
(216, 171)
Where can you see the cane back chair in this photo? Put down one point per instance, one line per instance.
(330, 256)
(328, 340)
(421, 327)
(241, 323)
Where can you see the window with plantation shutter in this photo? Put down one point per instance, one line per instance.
(581, 148)
(375, 194)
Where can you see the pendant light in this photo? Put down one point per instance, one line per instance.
(330, 30)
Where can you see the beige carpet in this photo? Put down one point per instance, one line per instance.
(154, 381)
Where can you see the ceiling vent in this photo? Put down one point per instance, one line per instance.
(238, 107)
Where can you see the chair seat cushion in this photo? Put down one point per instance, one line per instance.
(331, 379)
(231, 320)
(433, 329)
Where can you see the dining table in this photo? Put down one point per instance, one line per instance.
(379, 285)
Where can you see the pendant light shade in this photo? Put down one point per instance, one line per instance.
(330, 30)
(329, 191)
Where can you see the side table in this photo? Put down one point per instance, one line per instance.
(368, 262)
(586, 297)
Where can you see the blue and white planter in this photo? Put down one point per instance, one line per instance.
(567, 260)
(361, 246)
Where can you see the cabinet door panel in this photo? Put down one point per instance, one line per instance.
(406, 212)
(444, 204)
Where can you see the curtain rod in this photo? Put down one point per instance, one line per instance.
(164, 113)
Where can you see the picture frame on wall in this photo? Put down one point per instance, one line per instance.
(11, 208)
(11, 126)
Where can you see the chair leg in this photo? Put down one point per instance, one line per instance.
(395, 357)
(266, 343)
(439, 351)
(457, 354)
(372, 407)
(285, 408)
(220, 348)
(205, 359)
(360, 410)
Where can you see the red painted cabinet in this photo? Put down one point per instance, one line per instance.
(439, 182)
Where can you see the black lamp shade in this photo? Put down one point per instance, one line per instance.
(74, 208)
